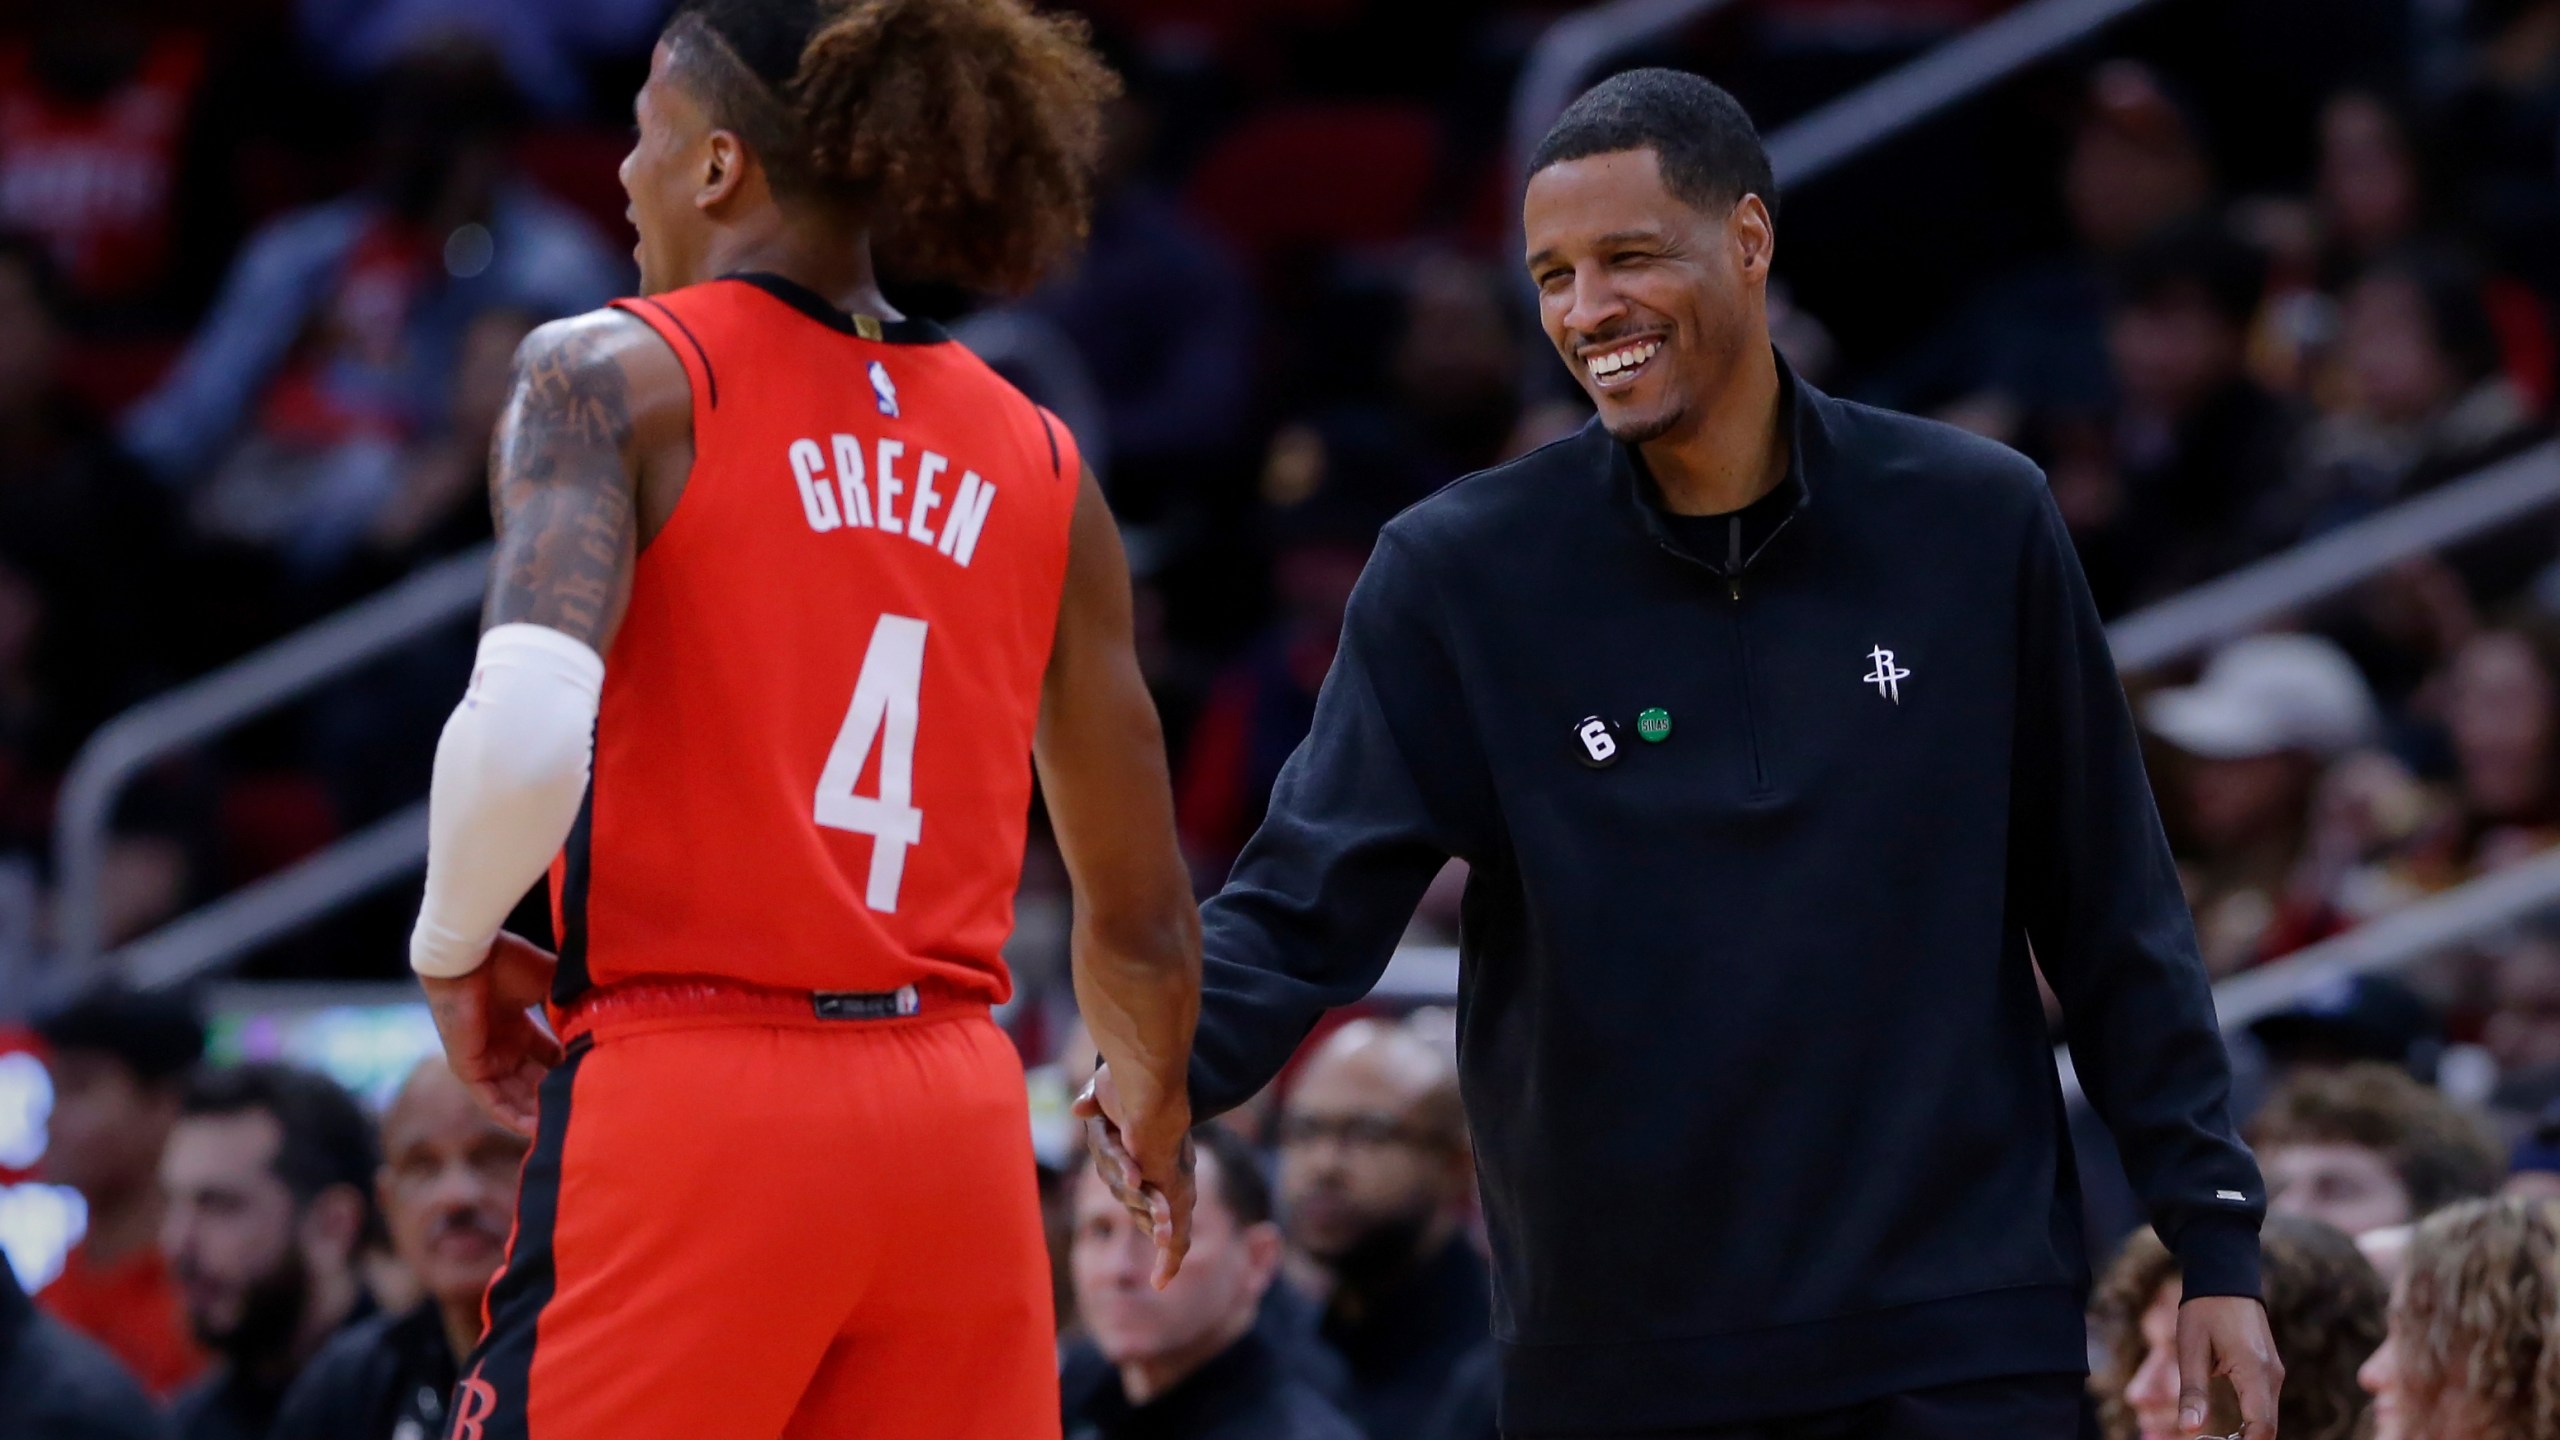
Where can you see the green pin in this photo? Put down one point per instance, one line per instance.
(1653, 724)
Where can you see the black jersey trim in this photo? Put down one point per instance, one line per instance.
(577, 863)
(710, 378)
(912, 330)
(501, 1368)
(1048, 427)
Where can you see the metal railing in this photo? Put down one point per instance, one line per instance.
(1963, 67)
(1575, 48)
(1568, 52)
(2319, 570)
(2488, 499)
(285, 671)
(2463, 915)
(1027, 349)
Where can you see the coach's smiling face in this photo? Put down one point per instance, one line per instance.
(1651, 300)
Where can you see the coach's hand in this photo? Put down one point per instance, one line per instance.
(1142, 1150)
(2227, 1336)
(489, 1039)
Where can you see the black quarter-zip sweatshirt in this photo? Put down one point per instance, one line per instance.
(1765, 1113)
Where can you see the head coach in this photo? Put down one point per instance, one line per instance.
(1783, 743)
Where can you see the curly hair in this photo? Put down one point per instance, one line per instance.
(2477, 1320)
(2324, 1303)
(2440, 1153)
(967, 131)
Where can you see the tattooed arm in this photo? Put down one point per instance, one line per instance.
(588, 456)
(592, 447)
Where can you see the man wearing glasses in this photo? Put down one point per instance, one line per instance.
(1374, 1183)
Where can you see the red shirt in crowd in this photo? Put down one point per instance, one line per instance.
(131, 1307)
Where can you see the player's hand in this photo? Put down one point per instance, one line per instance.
(1142, 1150)
(2227, 1336)
(493, 1045)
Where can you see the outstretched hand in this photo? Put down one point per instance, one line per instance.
(2227, 1336)
(1142, 1150)
(490, 1040)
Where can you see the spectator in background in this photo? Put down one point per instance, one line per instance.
(1185, 1362)
(1375, 1181)
(2197, 443)
(2370, 183)
(2352, 1018)
(2036, 340)
(269, 1174)
(333, 345)
(1260, 706)
(2533, 1171)
(447, 1191)
(1450, 396)
(94, 141)
(441, 505)
(546, 45)
(2501, 705)
(2474, 1347)
(2365, 1147)
(79, 523)
(26, 776)
(2421, 397)
(2522, 1031)
(120, 1060)
(2501, 121)
(56, 1384)
(2325, 1305)
(372, 737)
(2253, 736)
(2368, 195)
(1163, 315)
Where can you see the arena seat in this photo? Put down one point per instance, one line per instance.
(1331, 174)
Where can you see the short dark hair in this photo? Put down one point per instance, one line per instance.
(1241, 1187)
(2201, 254)
(156, 1034)
(2449, 285)
(328, 1139)
(1704, 140)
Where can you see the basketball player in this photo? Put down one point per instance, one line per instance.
(790, 594)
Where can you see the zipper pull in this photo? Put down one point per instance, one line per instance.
(1733, 555)
(1733, 586)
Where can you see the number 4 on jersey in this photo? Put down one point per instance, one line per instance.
(883, 710)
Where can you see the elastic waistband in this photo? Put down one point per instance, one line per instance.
(697, 999)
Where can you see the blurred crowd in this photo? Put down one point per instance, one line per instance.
(263, 264)
(267, 1257)
(2256, 273)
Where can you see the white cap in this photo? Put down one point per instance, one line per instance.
(2266, 694)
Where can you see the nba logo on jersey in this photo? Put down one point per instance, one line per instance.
(883, 391)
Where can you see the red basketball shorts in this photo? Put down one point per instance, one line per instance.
(740, 1221)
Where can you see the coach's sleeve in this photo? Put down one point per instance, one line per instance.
(2099, 894)
(1359, 822)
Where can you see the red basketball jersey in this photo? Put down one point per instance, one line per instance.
(813, 753)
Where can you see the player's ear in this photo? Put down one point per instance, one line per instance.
(724, 169)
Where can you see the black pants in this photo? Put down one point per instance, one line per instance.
(2023, 1407)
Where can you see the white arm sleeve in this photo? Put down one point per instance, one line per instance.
(510, 774)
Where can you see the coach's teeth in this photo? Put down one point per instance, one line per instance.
(1611, 362)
